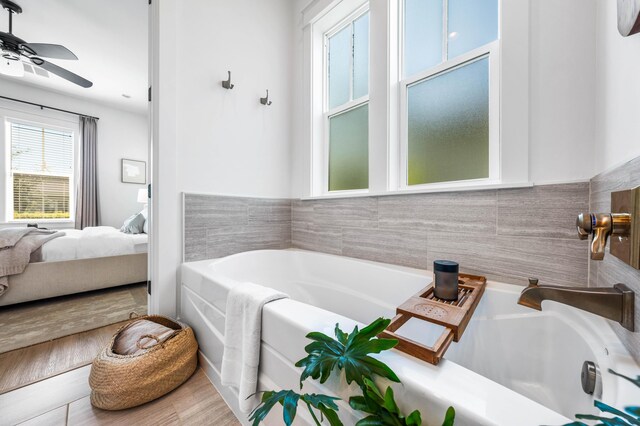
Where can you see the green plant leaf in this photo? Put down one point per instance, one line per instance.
(332, 416)
(414, 419)
(289, 407)
(289, 401)
(359, 403)
(383, 409)
(608, 409)
(449, 417)
(605, 420)
(269, 399)
(341, 335)
(372, 391)
(390, 402)
(634, 411)
(371, 421)
(348, 352)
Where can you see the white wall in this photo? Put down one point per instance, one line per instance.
(562, 97)
(206, 138)
(121, 134)
(617, 91)
(227, 141)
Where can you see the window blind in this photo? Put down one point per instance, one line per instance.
(42, 172)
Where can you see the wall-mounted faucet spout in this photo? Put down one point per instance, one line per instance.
(615, 303)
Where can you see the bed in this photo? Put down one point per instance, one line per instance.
(91, 259)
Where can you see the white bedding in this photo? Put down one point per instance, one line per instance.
(98, 241)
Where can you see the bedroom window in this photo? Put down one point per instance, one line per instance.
(347, 104)
(41, 172)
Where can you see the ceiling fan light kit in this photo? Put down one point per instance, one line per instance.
(13, 49)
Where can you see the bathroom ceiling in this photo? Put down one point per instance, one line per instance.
(108, 36)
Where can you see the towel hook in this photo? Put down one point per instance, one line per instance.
(227, 83)
(266, 101)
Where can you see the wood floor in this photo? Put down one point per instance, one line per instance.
(24, 366)
(64, 399)
(35, 322)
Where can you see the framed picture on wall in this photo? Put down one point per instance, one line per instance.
(134, 171)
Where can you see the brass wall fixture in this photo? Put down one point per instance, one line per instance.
(621, 226)
(601, 226)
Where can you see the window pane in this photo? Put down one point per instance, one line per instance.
(42, 169)
(422, 35)
(349, 149)
(40, 150)
(40, 197)
(339, 67)
(361, 56)
(472, 23)
(448, 126)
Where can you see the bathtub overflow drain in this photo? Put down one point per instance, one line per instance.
(589, 377)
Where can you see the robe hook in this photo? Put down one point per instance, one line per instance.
(227, 83)
(266, 101)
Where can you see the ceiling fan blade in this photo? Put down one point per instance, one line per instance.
(61, 72)
(46, 50)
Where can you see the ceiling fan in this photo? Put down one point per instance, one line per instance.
(13, 48)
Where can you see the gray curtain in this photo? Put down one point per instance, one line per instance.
(87, 211)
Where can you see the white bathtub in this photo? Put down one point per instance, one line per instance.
(513, 365)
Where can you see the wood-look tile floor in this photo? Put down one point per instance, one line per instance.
(28, 365)
(35, 322)
(64, 400)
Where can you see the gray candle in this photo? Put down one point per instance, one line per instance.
(446, 279)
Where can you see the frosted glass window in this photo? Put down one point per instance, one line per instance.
(349, 149)
(340, 67)
(422, 35)
(472, 23)
(448, 125)
(361, 57)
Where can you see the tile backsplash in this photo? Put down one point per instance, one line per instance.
(217, 226)
(507, 234)
(611, 271)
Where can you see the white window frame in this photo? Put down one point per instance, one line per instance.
(509, 111)
(49, 123)
(492, 52)
(341, 109)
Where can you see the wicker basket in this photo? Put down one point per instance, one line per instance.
(124, 381)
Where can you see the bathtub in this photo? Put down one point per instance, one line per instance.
(513, 365)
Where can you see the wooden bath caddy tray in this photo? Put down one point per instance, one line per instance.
(453, 315)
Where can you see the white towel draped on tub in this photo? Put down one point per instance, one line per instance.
(242, 339)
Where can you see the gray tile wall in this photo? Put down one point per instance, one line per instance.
(216, 226)
(507, 235)
(611, 271)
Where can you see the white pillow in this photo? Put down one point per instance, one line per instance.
(145, 213)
